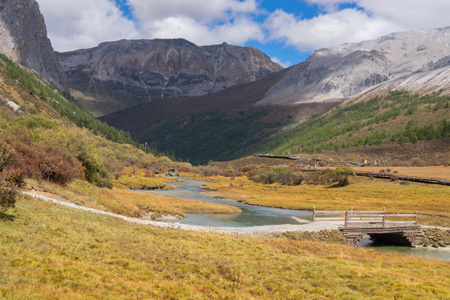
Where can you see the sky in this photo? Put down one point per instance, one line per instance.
(286, 30)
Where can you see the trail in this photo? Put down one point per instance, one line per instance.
(265, 231)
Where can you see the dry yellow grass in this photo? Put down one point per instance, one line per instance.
(432, 171)
(129, 203)
(53, 252)
(362, 194)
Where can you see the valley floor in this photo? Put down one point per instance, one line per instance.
(51, 251)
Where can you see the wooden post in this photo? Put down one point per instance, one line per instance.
(384, 216)
(314, 214)
(415, 218)
(346, 218)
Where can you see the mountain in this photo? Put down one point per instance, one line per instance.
(227, 124)
(338, 73)
(121, 74)
(23, 38)
(219, 126)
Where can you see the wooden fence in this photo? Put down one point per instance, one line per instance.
(364, 218)
(434, 180)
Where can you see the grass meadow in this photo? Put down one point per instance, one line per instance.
(429, 200)
(53, 252)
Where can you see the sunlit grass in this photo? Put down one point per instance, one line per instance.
(54, 252)
(424, 172)
(128, 203)
(362, 194)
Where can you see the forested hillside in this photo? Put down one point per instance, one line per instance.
(396, 118)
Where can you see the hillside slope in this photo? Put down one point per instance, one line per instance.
(390, 118)
(338, 73)
(117, 75)
(216, 127)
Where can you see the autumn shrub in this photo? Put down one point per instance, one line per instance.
(20, 158)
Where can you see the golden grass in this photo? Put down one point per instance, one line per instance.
(425, 172)
(362, 194)
(53, 252)
(138, 182)
(129, 203)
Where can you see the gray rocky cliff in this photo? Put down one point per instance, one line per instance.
(338, 73)
(23, 38)
(129, 72)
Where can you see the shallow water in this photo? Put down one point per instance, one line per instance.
(258, 216)
(251, 215)
(427, 253)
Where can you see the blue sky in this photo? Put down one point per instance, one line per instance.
(287, 30)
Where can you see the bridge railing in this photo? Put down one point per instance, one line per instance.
(366, 218)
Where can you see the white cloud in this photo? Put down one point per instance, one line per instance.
(369, 20)
(199, 10)
(74, 24)
(237, 32)
(325, 30)
(84, 23)
(410, 14)
(199, 21)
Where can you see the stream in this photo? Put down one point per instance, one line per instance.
(251, 215)
(257, 216)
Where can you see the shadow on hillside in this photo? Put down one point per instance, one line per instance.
(6, 217)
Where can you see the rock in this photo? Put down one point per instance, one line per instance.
(337, 73)
(129, 72)
(23, 38)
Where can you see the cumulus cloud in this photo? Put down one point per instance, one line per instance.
(200, 10)
(237, 32)
(366, 19)
(349, 25)
(199, 21)
(84, 23)
(74, 24)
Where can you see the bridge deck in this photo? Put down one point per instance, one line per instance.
(375, 224)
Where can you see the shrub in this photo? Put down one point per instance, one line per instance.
(8, 194)
(341, 175)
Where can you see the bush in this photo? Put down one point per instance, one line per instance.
(341, 175)
(8, 194)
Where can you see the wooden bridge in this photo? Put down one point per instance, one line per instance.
(382, 228)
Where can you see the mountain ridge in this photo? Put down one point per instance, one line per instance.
(23, 38)
(338, 73)
(128, 72)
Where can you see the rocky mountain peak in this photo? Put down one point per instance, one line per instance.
(23, 38)
(128, 72)
(337, 73)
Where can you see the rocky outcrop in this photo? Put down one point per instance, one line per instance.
(23, 38)
(130, 72)
(336, 74)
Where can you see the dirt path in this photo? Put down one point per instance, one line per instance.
(267, 230)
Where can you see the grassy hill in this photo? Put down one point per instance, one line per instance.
(396, 118)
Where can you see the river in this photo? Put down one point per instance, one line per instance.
(258, 216)
(251, 215)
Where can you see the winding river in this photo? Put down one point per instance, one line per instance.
(251, 215)
(257, 216)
